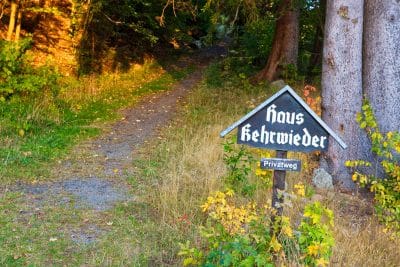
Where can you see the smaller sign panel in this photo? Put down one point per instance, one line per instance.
(281, 164)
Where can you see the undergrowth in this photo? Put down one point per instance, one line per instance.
(385, 184)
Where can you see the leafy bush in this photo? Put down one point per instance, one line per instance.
(239, 167)
(386, 189)
(315, 236)
(17, 76)
(245, 236)
(257, 38)
(239, 232)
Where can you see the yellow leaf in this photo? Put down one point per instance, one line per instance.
(321, 262)
(313, 250)
(188, 261)
(275, 245)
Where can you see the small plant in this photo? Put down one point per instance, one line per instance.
(386, 189)
(315, 235)
(213, 75)
(239, 163)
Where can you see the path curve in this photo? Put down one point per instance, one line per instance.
(94, 174)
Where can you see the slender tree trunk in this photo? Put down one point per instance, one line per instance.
(11, 25)
(342, 84)
(286, 41)
(316, 56)
(19, 22)
(381, 72)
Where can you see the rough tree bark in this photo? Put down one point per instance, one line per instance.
(342, 83)
(11, 24)
(286, 41)
(381, 70)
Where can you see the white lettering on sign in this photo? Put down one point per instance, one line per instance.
(297, 138)
(283, 117)
(280, 164)
(282, 138)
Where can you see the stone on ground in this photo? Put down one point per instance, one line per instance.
(322, 179)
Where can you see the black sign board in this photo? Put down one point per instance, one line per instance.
(281, 164)
(284, 122)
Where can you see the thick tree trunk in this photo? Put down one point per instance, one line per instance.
(11, 24)
(342, 84)
(381, 72)
(286, 41)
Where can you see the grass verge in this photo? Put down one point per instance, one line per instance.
(35, 130)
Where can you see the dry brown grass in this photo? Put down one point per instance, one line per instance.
(360, 239)
(193, 166)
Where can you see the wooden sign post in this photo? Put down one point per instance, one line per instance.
(284, 122)
(278, 184)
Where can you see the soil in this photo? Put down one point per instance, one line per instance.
(93, 176)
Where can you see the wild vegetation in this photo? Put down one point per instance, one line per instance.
(68, 67)
(190, 190)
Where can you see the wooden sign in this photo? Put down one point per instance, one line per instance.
(284, 122)
(281, 164)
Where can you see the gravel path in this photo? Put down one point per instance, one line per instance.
(94, 176)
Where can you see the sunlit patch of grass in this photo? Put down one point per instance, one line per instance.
(37, 130)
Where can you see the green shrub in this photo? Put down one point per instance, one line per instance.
(315, 235)
(256, 40)
(17, 76)
(386, 189)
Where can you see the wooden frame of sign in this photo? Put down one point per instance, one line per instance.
(284, 122)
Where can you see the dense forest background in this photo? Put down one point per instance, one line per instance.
(94, 36)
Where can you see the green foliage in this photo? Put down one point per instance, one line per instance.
(117, 33)
(17, 76)
(213, 75)
(239, 163)
(312, 20)
(245, 236)
(127, 27)
(290, 74)
(241, 233)
(386, 189)
(233, 70)
(315, 235)
(256, 40)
